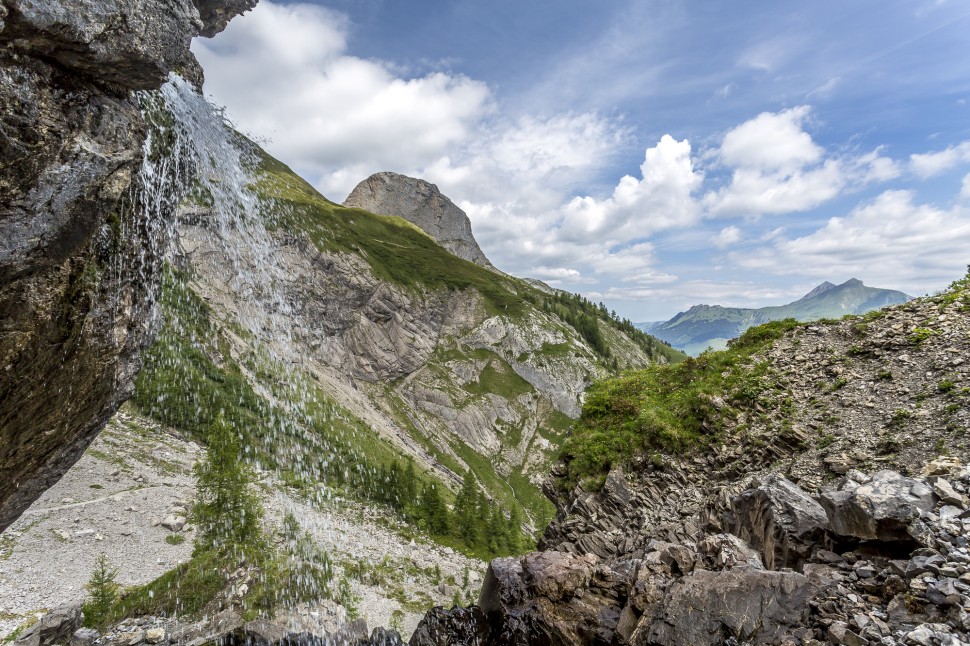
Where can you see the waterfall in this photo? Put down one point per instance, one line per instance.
(200, 174)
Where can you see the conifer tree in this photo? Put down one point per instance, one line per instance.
(467, 521)
(227, 510)
(103, 590)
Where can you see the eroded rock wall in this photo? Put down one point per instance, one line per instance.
(77, 257)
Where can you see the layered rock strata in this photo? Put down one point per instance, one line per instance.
(78, 256)
(912, 587)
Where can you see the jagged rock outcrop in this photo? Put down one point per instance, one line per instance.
(715, 537)
(77, 256)
(716, 590)
(422, 204)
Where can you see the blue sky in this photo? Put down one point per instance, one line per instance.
(653, 155)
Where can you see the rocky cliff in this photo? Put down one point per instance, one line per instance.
(422, 204)
(813, 506)
(79, 252)
(457, 366)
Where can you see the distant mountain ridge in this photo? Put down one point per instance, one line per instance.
(711, 326)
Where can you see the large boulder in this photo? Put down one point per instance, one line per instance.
(881, 509)
(549, 598)
(441, 627)
(79, 253)
(56, 627)
(708, 608)
(779, 520)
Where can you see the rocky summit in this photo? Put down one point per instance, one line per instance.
(420, 203)
(80, 253)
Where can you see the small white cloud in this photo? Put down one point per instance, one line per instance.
(826, 89)
(726, 237)
(965, 191)
(778, 168)
(772, 141)
(927, 165)
(556, 273)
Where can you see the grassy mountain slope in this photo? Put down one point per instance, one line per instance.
(704, 326)
(889, 388)
(397, 352)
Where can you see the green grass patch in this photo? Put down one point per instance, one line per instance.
(673, 409)
(499, 378)
(395, 249)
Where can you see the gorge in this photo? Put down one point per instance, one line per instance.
(398, 419)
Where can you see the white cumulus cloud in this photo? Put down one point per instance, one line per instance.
(929, 164)
(892, 237)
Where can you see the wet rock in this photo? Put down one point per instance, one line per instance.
(881, 509)
(78, 268)
(779, 520)
(441, 627)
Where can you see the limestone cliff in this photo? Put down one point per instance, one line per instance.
(420, 203)
(460, 367)
(78, 256)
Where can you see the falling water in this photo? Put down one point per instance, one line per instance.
(200, 174)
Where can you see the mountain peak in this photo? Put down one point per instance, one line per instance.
(422, 204)
(852, 282)
(819, 290)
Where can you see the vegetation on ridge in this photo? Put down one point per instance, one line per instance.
(671, 409)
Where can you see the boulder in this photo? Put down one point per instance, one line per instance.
(779, 520)
(727, 551)
(707, 608)
(441, 627)
(881, 509)
(56, 627)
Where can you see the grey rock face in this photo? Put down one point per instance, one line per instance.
(780, 520)
(77, 264)
(709, 607)
(422, 204)
(881, 509)
(56, 627)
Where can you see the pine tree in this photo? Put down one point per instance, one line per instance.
(435, 511)
(227, 510)
(514, 530)
(467, 521)
(409, 484)
(103, 592)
